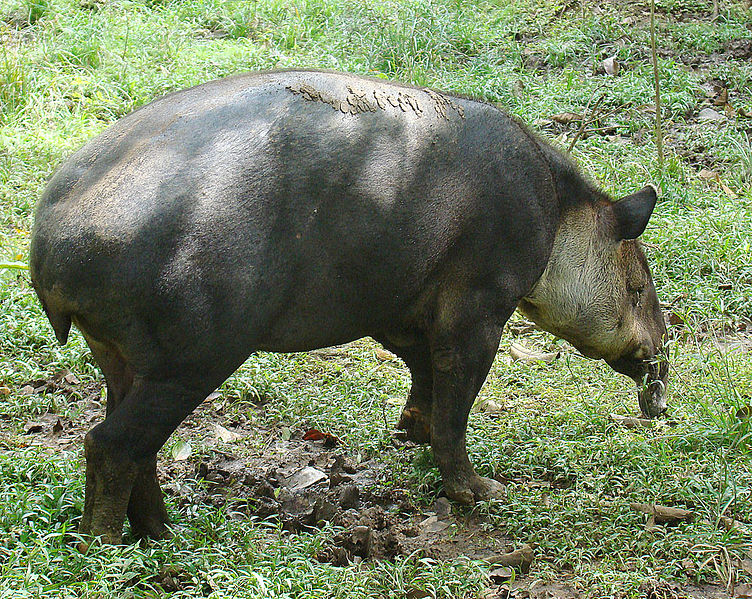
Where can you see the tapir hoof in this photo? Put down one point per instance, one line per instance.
(416, 425)
(473, 489)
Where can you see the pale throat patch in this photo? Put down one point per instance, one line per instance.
(571, 299)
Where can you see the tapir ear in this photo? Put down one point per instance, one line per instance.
(633, 212)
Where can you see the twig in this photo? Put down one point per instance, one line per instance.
(658, 124)
(586, 120)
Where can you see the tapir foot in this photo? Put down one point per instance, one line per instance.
(470, 489)
(416, 424)
(146, 509)
(108, 489)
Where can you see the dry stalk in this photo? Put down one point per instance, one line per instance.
(658, 123)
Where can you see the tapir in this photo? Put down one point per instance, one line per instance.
(290, 210)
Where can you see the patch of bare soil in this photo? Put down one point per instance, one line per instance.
(304, 484)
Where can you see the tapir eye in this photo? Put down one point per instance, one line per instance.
(637, 296)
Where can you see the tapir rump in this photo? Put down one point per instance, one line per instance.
(290, 210)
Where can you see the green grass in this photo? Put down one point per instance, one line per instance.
(68, 68)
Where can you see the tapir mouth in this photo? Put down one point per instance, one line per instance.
(651, 377)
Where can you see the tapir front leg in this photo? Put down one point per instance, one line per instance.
(461, 358)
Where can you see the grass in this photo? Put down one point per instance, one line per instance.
(68, 68)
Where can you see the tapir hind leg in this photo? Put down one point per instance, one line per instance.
(146, 508)
(121, 458)
(416, 415)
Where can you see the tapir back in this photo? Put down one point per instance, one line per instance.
(287, 211)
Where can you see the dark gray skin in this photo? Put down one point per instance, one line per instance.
(287, 211)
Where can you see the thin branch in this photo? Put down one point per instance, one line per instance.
(587, 119)
(658, 124)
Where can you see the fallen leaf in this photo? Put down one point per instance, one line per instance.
(726, 189)
(213, 396)
(26, 390)
(433, 524)
(316, 435)
(664, 514)
(71, 379)
(675, 319)
(721, 99)
(181, 451)
(225, 435)
(4, 390)
(611, 66)
(385, 355)
(305, 477)
(565, 118)
(520, 352)
(500, 575)
(521, 558)
(708, 114)
(707, 174)
(285, 433)
(630, 422)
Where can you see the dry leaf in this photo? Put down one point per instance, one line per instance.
(305, 477)
(520, 558)
(565, 118)
(663, 514)
(707, 174)
(225, 435)
(181, 451)
(611, 66)
(213, 396)
(71, 379)
(4, 390)
(384, 355)
(726, 189)
(316, 435)
(721, 99)
(520, 352)
(630, 422)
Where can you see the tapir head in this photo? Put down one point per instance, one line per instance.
(597, 293)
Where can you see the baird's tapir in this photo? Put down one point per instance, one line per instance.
(290, 210)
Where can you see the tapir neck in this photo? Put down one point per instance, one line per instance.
(556, 301)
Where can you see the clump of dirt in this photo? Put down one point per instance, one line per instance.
(305, 484)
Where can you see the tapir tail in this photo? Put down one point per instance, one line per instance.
(61, 324)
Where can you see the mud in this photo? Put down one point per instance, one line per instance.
(358, 101)
(305, 485)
